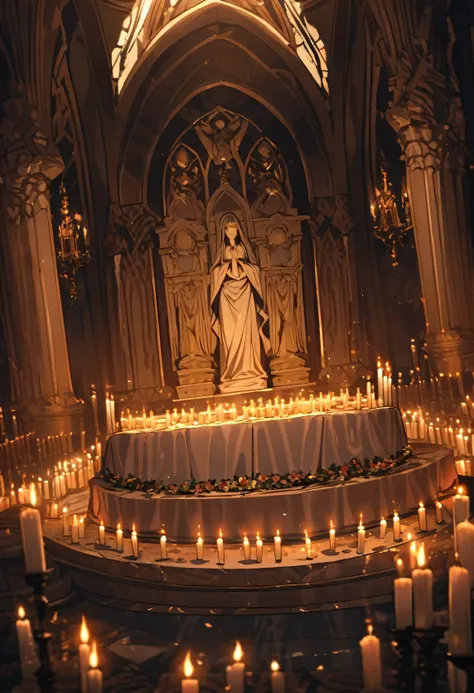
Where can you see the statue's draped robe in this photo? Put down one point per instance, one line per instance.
(238, 319)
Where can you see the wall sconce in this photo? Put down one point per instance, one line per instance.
(73, 252)
(389, 227)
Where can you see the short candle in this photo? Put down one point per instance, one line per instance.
(360, 537)
(84, 654)
(235, 672)
(422, 591)
(135, 545)
(383, 528)
(332, 537)
(277, 547)
(163, 546)
(189, 685)
(246, 545)
(94, 675)
(396, 527)
(119, 537)
(199, 547)
(308, 546)
(422, 521)
(277, 678)
(259, 547)
(220, 549)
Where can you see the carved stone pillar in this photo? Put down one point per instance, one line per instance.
(434, 156)
(336, 286)
(185, 255)
(34, 325)
(131, 243)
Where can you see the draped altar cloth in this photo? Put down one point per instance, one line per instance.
(279, 445)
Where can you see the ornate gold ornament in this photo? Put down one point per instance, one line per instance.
(389, 226)
(73, 252)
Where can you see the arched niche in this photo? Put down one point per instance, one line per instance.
(225, 49)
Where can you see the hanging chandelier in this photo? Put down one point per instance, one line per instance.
(390, 226)
(73, 252)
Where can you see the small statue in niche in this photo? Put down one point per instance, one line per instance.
(221, 134)
(185, 185)
(267, 171)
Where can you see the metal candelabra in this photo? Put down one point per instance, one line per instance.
(42, 636)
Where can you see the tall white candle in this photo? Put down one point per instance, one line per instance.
(422, 591)
(235, 672)
(259, 548)
(403, 599)
(134, 541)
(308, 545)
(32, 540)
(379, 379)
(277, 547)
(465, 546)
(360, 537)
(189, 685)
(461, 506)
(82, 529)
(119, 537)
(163, 546)
(94, 675)
(459, 635)
(439, 512)
(397, 531)
(220, 549)
(246, 545)
(422, 521)
(101, 534)
(383, 528)
(371, 662)
(84, 654)
(75, 530)
(65, 522)
(26, 646)
(200, 548)
(277, 678)
(332, 537)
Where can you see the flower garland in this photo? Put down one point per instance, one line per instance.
(379, 466)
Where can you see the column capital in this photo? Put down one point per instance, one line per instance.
(28, 162)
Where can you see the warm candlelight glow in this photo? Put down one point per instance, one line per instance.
(133, 528)
(460, 491)
(64, 510)
(84, 631)
(21, 613)
(188, 667)
(360, 521)
(420, 557)
(274, 666)
(119, 526)
(370, 629)
(220, 534)
(238, 652)
(331, 525)
(421, 505)
(33, 499)
(94, 659)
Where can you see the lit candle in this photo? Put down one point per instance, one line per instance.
(396, 528)
(199, 547)
(220, 549)
(94, 675)
(379, 379)
(383, 528)
(459, 634)
(119, 538)
(82, 529)
(235, 672)
(413, 553)
(308, 546)
(163, 546)
(101, 534)
(189, 685)
(461, 506)
(403, 598)
(246, 545)
(259, 547)
(439, 512)
(84, 654)
(332, 537)
(371, 662)
(32, 540)
(277, 678)
(360, 537)
(422, 592)
(465, 546)
(277, 547)
(134, 540)
(422, 521)
(26, 646)
(75, 530)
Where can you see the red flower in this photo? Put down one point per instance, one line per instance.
(209, 486)
(198, 489)
(243, 481)
(284, 482)
(293, 476)
(262, 477)
(223, 485)
(344, 469)
(173, 488)
(275, 478)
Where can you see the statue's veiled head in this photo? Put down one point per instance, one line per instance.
(231, 228)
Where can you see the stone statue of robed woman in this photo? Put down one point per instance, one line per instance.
(237, 314)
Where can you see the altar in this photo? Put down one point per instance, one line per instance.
(247, 447)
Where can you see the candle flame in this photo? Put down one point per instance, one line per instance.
(163, 531)
(258, 536)
(274, 666)
(395, 516)
(331, 525)
(188, 667)
(21, 613)
(101, 523)
(421, 557)
(278, 533)
(421, 504)
(33, 499)
(360, 520)
(94, 659)
(119, 526)
(220, 533)
(305, 534)
(133, 528)
(238, 652)
(64, 510)
(439, 504)
(370, 629)
(84, 631)
(460, 491)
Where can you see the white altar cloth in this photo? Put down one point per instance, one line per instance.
(280, 445)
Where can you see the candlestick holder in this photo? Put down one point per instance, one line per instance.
(402, 643)
(425, 641)
(42, 636)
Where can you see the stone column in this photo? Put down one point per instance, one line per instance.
(434, 156)
(40, 375)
